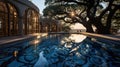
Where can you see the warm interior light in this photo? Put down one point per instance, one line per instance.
(35, 19)
(36, 41)
(15, 13)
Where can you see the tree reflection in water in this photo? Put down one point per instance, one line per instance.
(63, 51)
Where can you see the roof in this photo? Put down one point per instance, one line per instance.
(27, 3)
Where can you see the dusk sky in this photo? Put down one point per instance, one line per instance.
(39, 4)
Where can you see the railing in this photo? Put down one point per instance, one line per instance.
(77, 30)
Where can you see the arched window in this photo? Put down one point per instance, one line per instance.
(3, 19)
(13, 19)
(8, 20)
(31, 23)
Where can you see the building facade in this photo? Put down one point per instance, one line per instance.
(18, 17)
(49, 25)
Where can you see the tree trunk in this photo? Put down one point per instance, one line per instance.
(109, 19)
(88, 27)
(100, 28)
(103, 30)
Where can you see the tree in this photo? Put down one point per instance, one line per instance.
(115, 27)
(87, 12)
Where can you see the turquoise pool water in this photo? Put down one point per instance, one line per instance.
(62, 50)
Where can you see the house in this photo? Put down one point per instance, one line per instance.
(18, 17)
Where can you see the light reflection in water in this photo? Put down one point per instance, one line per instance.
(15, 53)
(77, 38)
(74, 37)
(74, 49)
(78, 54)
(36, 42)
(68, 45)
(38, 36)
(67, 41)
(93, 39)
(84, 53)
(44, 34)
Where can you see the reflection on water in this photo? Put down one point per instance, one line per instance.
(41, 61)
(36, 41)
(77, 38)
(15, 53)
(62, 51)
(38, 36)
(74, 37)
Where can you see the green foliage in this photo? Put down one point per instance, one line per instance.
(116, 21)
(87, 12)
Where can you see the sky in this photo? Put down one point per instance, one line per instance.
(39, 4)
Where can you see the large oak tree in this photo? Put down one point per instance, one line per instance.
(87, 12)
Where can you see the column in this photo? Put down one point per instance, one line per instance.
(20, 26)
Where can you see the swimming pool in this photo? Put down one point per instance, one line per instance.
(62, 50)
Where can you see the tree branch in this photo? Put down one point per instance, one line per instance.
(107, 9)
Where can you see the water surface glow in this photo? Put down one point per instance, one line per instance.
(62, 51)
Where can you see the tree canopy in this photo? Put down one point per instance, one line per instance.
(99, 13)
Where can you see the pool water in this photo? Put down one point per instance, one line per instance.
(62, 50)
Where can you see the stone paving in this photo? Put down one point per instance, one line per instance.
(11, 39)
